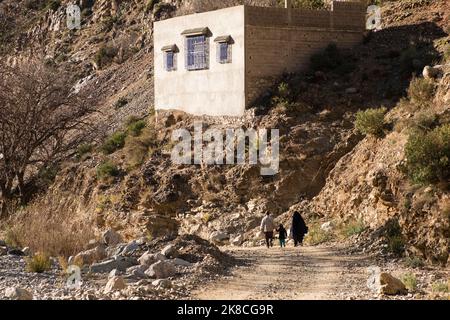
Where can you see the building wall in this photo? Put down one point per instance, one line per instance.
(219, 90)
(278, 40)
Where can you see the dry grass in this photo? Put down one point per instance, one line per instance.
(38, 263)
(47, 229)
(139, 148)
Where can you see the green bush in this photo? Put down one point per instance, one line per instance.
(84, 149)
(428, 156)
(371, 121)
(47, 174)
(414, 262)
(394, 237)
(410, 281)
(421, 92)
(423, 121)
(38, 263)
(105, 56)
(440, 287)
(122, 102)
(354, 228)
(284, 91)
(317, 236)
(107, 169)
(135, 128)
(114, 142)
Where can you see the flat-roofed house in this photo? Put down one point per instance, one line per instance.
(217, 63)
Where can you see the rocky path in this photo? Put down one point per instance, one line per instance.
(305, 273)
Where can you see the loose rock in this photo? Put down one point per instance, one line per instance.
(181, 262)
(114, 284)
(18, 294)
(170, 251)
(162, 283)
(161, 270)
(111, 238)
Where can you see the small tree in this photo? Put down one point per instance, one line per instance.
(421, 92)
(428, 155)
(41, 122)
(371, 121)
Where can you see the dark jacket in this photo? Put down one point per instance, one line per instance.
(299, 227)
(282, 233)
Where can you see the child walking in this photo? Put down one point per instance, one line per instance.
(282, 235)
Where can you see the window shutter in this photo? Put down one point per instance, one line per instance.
(197, 53)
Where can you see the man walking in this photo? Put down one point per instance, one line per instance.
(267, 226)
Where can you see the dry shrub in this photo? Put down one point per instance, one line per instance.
(38, 263)
(47, 229)
(139, 148)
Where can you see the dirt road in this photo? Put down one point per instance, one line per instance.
(305, 273)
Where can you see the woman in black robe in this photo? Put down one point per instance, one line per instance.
(298, 229)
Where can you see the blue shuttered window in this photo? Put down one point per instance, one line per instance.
(169, 61)
(197, 53)
(223, 52)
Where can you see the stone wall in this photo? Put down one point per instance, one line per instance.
(280, 40)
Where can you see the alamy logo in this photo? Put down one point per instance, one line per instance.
(73, 13)
(227, 147)
(373, 18)
(74, 279)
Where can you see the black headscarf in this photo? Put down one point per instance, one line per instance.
(298, 224)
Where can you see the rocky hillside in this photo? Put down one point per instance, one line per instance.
(327, 167)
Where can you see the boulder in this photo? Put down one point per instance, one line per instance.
(218, 237)
(237, 241)
(432, 72)
(137, 272)
(111, 238)
(129, 248)
(391, 285)
(384, 283)
(181, 262)
(18, 294)
(170, 251)
(162, 283)
(91, 256)
(159, 257)
(147, 259)
(3, 251)
(161, 270)
(114, 284)
(120, 263)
